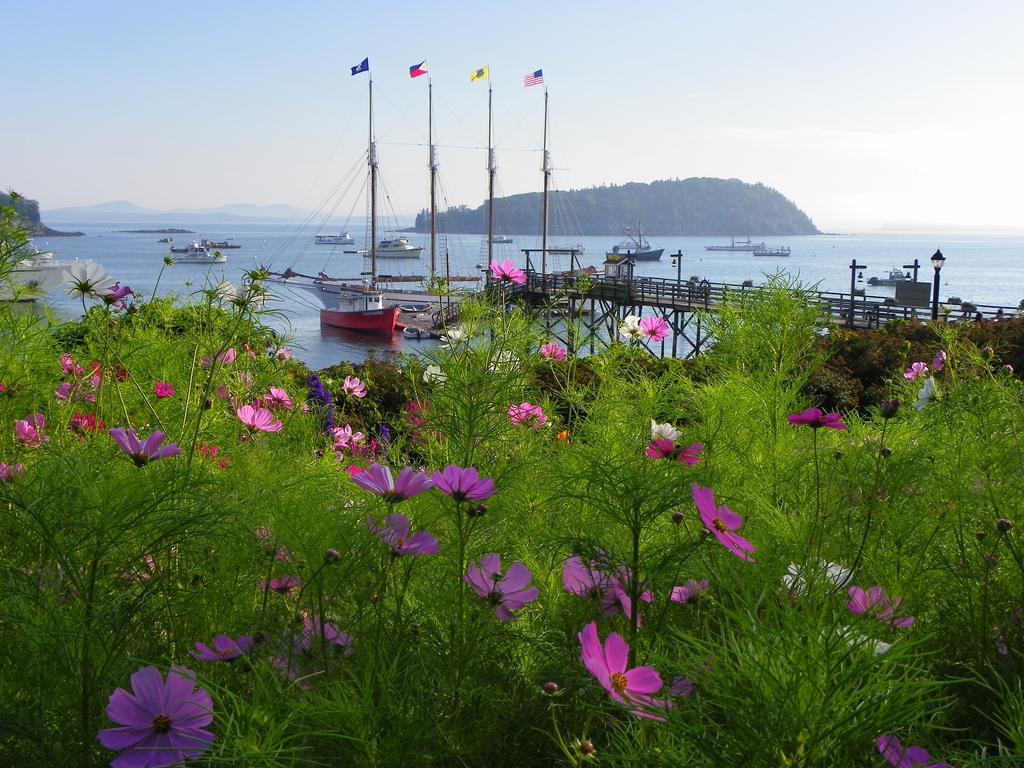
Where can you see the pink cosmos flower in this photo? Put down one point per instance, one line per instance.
(284, 354)
(259, 419)
(282, 584)
(249, 350)
(143, 452)
(721, 521)
(29, 431)
(353, 386)
(611, 590)
(915, 371)
(666, 449)
(876, 603)
(506, 592)
(689, 592)
(163, 723)
(463, 484)
(395, 533)
(84, 423)
(345, 438)
(939, 361)
(162, 389)
(506, 271)
(552, 351)
(68, 366)
(224, 648)
(377, 479)
(245, 378)
(654, 328)
(815, 418)
(279, 398)
(11, 471)
(227, 357)
(910, 757)
(527, 414)
(629, 687)
(311, 633)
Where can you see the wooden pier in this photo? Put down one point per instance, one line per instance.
(600, 303)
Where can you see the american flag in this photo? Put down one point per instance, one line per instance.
(534, 78)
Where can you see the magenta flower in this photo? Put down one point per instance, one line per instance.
(661, 448)
(278, 398)
(552, 351)
(353, 387)
(143, 452)
(463, 484)
(282, 584)
(163, 723)
(29, 431)
(259, 419)
(815, 418)
(876, 603)
(395, 533)
(891, 749)
(629, 687)
(654, 328)
(227, 357)
(69, 367)
(939, 361)
(915, 371)
(682, 687)
(283, 354)
(11, 471)
(378, 480)
(224, 648)
(689, 592)
(528, 415)
(162, 389)
(721, 521)
(611, 590)
(506, 592)
(506, 271)
(311, 632)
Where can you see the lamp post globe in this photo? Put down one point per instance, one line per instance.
(937, 261)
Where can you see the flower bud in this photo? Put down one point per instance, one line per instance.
(980, 535)
(550, 688)
(1004, 525)
(987, 351)
(889, 408)
(332, 556)
(839, 455)
(477, 511)
(886, 452)
(677, 517)
(587, 747)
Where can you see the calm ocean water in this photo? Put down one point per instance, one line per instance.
(982, 269)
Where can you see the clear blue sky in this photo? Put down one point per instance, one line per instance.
(865, 114)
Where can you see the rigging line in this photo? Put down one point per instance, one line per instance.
(457, 146)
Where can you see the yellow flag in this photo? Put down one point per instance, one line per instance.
(480, 74)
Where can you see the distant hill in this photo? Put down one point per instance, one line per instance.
(28, 213)
(122, 210)
(697, 206)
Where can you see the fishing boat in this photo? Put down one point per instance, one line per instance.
(896, 275)
(636, 246)
(398, 247)
(360, 308)
(742, 245)
(499, 239)
(196, 253)
(343, 238)
(778, 253)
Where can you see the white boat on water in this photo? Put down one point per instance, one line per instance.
(341, 239)
(896, 275)
(196, 253)
(742, 245)
(502, 239)
(777, 253)
(37, 275)
(398, 246)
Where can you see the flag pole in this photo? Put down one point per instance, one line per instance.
(433, 178)
(372, 158)
(490, 178)
(547, 176)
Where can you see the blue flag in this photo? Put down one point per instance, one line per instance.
(363, 66)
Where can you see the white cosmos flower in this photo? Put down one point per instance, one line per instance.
(630, 328)
(226, 291)
(835, 574)
(664, 432)
(925, 394)
(433, 374)
(505, 360)
(87, 279)
(453, 335)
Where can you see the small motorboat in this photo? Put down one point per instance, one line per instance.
(413, 309)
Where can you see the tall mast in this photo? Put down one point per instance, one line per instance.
(433, 177)
(547, 176)
(490, 181)
(372, 159)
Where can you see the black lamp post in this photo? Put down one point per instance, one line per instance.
(915, 266)
(937, 261)
(854, 266)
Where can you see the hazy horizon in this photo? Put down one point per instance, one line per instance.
(880, 117)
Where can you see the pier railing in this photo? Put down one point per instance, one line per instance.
(692, 295)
